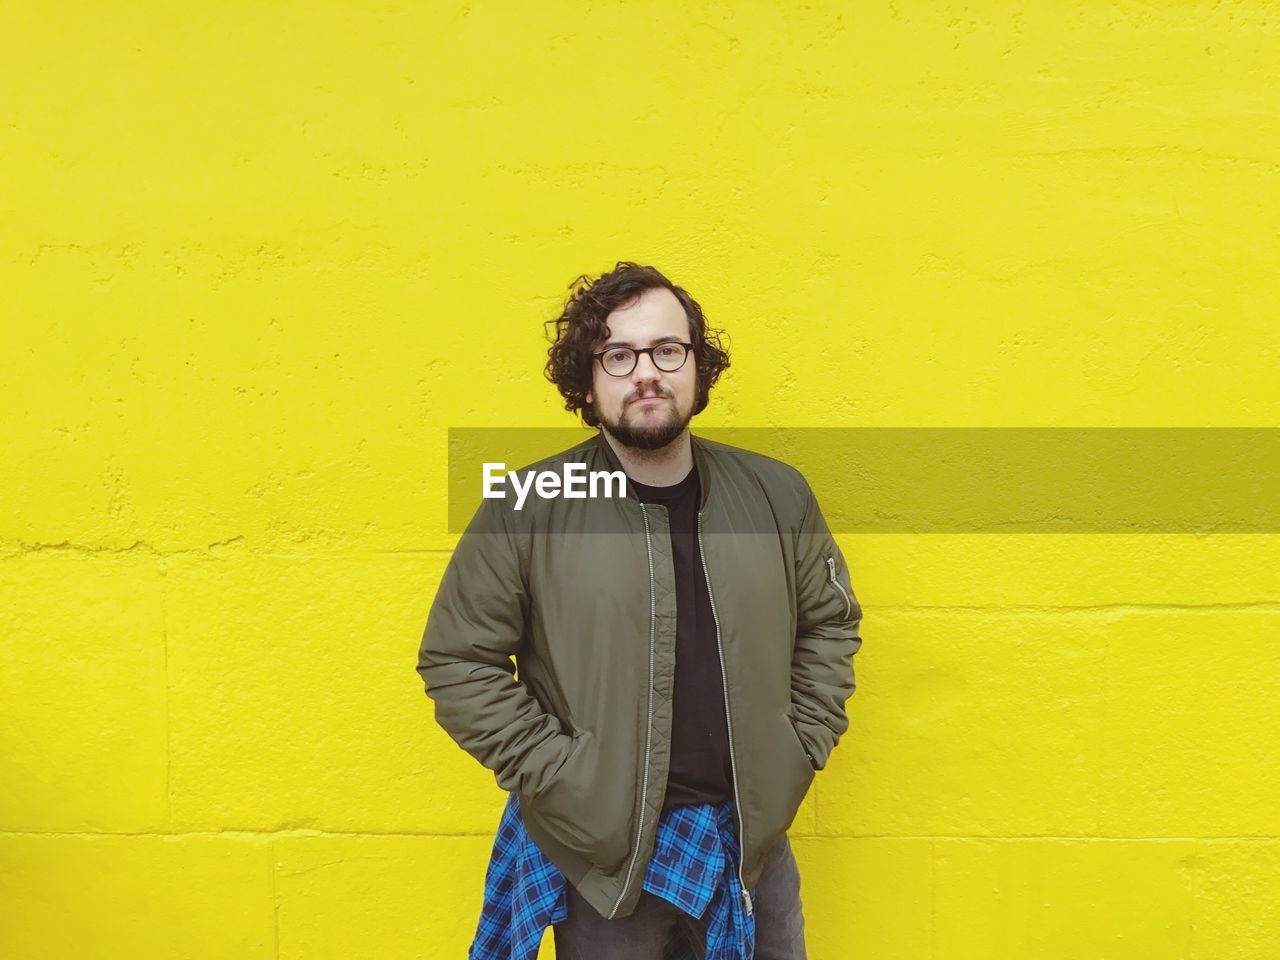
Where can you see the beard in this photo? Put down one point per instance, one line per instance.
(645, 436)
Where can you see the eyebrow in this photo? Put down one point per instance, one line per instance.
(623, 343)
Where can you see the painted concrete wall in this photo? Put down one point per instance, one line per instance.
(257, 258)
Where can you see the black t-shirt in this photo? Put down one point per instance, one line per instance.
(700, 767)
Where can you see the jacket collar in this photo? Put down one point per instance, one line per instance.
(701, 463)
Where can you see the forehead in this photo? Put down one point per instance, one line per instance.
(655, 314)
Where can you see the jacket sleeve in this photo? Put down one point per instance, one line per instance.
(475, 625)
(827, 619)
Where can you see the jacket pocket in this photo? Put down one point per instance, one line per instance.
(834, 581)
(795, 735)
(784, 777)
(583, 806)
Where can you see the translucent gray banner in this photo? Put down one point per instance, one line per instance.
(970, 479)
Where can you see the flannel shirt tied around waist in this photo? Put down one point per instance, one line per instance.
(694, 866)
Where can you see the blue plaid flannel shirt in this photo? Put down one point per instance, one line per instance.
(694, 866)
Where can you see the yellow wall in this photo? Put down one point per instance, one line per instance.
(256, 258)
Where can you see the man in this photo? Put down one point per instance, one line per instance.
(685, 655)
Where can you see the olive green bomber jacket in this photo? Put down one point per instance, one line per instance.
(581, 593)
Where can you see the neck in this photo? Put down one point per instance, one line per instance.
(657, 468)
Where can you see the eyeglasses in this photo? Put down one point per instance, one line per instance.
(667, 357)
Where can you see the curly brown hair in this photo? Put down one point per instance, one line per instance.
(582, 324)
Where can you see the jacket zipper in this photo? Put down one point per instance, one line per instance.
(644, 787)
(724, 679)
(848, 607)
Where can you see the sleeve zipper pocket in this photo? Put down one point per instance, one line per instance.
(831, 568)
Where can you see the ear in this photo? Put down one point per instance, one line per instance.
(590, 399)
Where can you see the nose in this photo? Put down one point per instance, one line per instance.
(646, 370)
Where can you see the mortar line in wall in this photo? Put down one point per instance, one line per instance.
(168, 712)
(1196, 878)
(483, 834)
(275, 896)
(1102, 743)
(1014, 609)
(816, 789)
(933, 899)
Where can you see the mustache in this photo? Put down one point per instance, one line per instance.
(644, 396)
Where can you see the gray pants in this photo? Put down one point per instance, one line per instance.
(655, 923)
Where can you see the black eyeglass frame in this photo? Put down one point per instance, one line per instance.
(635, 357)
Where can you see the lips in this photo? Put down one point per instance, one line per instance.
(647, 399)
